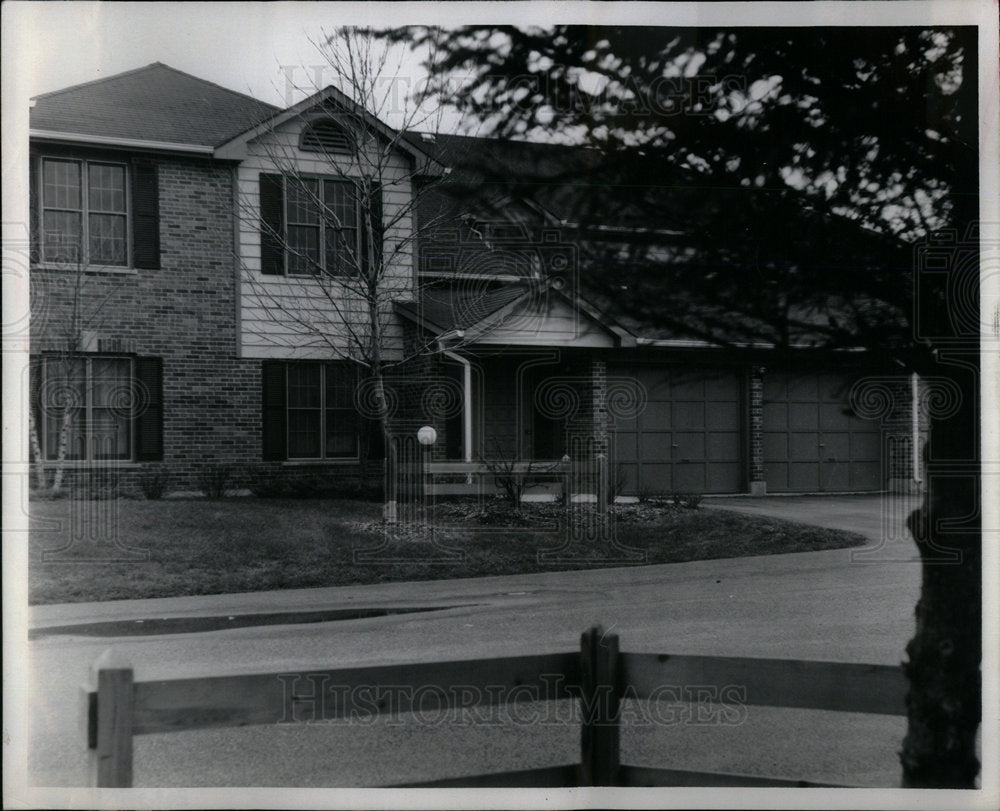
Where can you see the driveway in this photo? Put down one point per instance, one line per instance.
(880, 517)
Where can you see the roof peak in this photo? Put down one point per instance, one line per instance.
(152, 66)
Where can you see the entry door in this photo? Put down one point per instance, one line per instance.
(545, 434)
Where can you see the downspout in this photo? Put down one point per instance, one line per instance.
(466, 401)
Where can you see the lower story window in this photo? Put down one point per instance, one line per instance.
(99, 408)
(92, 398)
(321, 419)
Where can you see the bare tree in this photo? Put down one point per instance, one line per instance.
(340, 250)
(62, 392)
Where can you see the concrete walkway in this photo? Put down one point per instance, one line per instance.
(880, 517)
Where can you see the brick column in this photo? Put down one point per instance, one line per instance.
(758, 487)
(599, 405)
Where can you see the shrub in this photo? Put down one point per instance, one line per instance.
(48, 494)
(214, 479)
(313, 484)
(616, 482)
(153, 482)
(689, 501)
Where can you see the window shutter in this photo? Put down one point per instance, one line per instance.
(374, 441)
(373, 226)
(34, 227)
(149, 422)
(272, 225)
(273, 411)
(145, 216)
(34, 395)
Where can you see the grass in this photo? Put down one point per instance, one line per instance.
(206, 546)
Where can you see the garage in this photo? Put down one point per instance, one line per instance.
(688, 436)
(812, 441)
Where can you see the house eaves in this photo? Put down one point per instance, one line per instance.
(50, 136)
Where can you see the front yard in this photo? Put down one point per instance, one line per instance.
(121, 549)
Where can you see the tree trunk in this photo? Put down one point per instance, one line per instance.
(67, 420)
(36, 450)
(944, 700)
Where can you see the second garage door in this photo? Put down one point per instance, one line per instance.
(812, 440)
(687, 438)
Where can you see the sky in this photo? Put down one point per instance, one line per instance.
(262, 49)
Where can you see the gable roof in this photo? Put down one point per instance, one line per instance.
(235, 146)
(155, 103)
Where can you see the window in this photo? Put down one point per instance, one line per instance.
(97, 393)
(323, 226)
(113, 404)
(315, 225)
(322, 422)
(84, 212)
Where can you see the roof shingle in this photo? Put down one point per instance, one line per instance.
(154, 103)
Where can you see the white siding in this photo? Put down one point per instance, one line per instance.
(294, 317)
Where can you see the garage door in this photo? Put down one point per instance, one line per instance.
(812, 441)
(687, 438)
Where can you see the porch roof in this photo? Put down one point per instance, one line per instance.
(449, 307)
(511, 313)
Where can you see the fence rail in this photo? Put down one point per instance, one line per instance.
(116, 707)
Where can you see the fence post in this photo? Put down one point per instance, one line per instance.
(111, 758)
(600, 696)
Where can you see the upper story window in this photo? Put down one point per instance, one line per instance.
(314, 225)
(95, 211)
(84, 212)
(325, 136)
(323, 219)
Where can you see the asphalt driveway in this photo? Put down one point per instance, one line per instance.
(880, 517)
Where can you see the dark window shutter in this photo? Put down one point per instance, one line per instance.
(373, 226)
(374, 440)
(34, 227)
(149, 421)
(273, 411)
(34, 395)
(145, 216)
(272, 225)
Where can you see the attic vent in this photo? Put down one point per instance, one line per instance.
(324, 136)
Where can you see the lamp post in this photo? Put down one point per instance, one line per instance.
(426, 436)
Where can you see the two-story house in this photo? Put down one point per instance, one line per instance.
(189, 244)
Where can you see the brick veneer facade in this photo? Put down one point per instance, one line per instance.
(183, 312)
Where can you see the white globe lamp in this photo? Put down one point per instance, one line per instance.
(427, 435)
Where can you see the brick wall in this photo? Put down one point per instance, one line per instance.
(182, 312)
(756, 382)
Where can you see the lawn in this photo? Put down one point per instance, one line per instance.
(120, 549)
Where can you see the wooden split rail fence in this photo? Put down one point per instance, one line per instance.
(116, 707)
